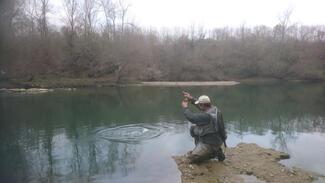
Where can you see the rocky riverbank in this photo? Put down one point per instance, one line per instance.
(245, 163)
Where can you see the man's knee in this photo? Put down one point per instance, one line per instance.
(196, 159)
(200, 153)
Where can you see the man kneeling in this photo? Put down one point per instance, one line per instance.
(208, 130)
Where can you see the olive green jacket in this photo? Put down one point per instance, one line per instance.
(209, 126)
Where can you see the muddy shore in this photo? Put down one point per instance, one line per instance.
(245, 163)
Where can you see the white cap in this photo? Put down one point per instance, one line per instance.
(203, 99)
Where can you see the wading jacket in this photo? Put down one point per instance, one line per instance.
(209, 126)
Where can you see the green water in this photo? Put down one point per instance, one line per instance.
(128, 134)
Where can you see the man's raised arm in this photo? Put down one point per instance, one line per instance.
(190, 98)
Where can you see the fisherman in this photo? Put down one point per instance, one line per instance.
(208, 130)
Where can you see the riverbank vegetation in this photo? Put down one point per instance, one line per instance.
(97, 40)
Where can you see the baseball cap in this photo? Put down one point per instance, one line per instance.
(203, 99)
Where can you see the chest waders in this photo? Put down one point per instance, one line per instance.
(214, 126)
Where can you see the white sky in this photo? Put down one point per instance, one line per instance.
(219, 13)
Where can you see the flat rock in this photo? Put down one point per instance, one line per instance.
(245, 163)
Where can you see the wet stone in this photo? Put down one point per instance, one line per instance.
(248, 164)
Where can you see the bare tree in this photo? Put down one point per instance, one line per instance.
(110, 11)
(37, 12)
(123, 10)
(9, 10)
(70, 7)
(71, 15)
(31, 15)
(284, 20)
(42, 20)
(89, 15)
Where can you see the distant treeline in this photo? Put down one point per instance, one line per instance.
(97, 40)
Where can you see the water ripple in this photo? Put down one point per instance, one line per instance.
(134, 133)
(130, 133)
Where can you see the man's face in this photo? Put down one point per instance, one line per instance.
(201, 107)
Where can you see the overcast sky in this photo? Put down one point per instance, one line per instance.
(219, 13)
(216, 13)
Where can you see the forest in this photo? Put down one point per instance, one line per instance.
(96, 39)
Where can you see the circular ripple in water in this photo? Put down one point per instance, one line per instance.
(130, 133)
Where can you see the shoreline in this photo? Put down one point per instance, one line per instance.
(187, 83)
(62, 83)
(35, 89)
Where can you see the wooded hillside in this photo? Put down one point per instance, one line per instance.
(97, 40)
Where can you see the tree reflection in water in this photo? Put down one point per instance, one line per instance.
(57, 158)
(53, 137)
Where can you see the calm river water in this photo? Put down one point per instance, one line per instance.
(128, 134)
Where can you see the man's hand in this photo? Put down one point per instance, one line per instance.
(185, 103)
(187, 95)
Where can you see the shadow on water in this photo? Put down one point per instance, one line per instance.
(123, 134)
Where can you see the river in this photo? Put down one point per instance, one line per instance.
(128, 134)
